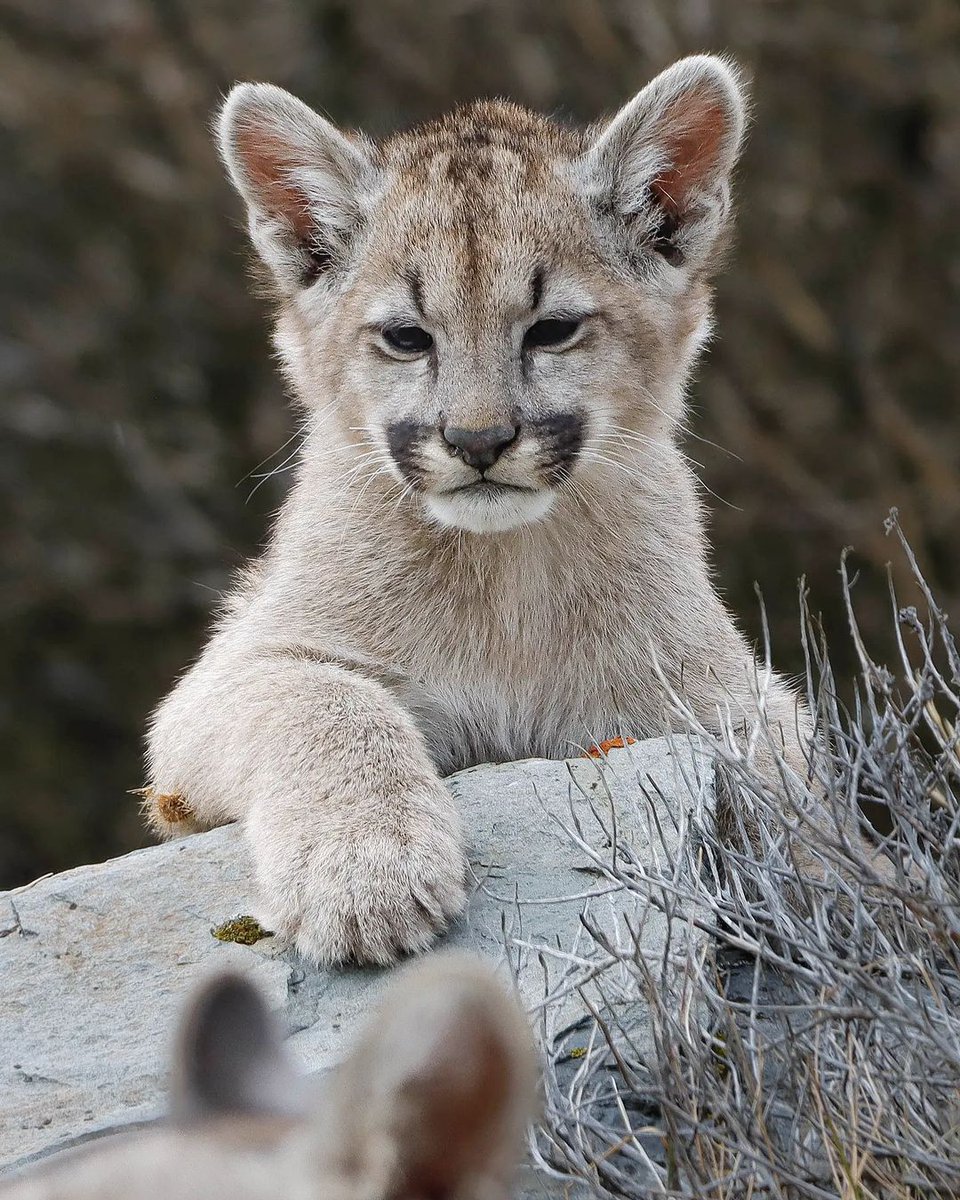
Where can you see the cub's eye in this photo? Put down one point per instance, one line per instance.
(408, 339)
(552, 331)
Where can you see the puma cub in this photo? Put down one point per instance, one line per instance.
(434, 1101)
(489, 323)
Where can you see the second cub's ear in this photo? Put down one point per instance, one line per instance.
(230, 1057)
(304, 182)
(435, 1100)
(663, 163)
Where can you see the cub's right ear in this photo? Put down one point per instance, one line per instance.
(230, 1057)
(304, 182)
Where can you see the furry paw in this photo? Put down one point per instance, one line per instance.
(362, 892)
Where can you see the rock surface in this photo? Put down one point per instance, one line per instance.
(95, 962)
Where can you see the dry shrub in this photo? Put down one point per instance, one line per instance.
(806, 1049)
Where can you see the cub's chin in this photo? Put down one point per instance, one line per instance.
(488, 507)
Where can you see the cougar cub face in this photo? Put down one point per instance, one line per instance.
(483, 358)
(494, 310)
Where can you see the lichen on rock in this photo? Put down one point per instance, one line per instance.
(245, 930)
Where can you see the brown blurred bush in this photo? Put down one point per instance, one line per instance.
(138, 395)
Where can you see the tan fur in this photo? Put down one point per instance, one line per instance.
(396, 629)
(433, 1101)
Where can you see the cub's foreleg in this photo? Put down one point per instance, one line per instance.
(357, 844)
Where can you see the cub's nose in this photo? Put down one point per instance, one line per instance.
(480, 448)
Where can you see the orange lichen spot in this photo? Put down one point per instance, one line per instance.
(171, 807)
(616, 743)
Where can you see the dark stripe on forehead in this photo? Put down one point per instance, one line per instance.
(415, 284)
(471, 263)
(536, 289)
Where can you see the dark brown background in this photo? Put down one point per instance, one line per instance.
(138, 393)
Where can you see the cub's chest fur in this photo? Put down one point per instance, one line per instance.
(525, 656)
(480, 717)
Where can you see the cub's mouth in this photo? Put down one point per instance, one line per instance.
(487, 487)
(486, 506)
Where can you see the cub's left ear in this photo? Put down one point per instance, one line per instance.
(662, 166)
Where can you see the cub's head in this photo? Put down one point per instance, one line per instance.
(492, 311)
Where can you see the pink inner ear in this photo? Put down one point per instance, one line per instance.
(267, 162)
(697, 127)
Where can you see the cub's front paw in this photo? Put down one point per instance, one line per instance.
(362, 894)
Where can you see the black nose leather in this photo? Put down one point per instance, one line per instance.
(480, 448)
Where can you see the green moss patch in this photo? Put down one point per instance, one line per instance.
(246, 931)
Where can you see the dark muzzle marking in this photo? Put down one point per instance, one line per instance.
(404, 439)
(561, 437)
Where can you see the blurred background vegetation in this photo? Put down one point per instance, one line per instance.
(138, 396)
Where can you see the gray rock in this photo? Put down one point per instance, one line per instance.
(95, 963)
